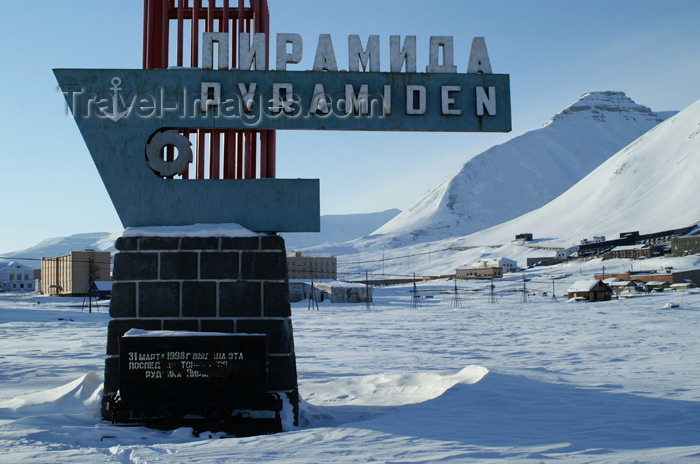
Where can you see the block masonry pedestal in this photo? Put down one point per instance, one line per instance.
(204, 284)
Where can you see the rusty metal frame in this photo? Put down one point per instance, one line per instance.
(241, 154)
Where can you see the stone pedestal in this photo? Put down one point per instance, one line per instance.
(204, 284)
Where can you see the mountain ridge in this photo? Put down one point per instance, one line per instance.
(524, 173)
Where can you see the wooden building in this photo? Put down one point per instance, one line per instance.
(591, 290)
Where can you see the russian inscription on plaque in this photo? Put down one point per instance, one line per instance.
(166, 377)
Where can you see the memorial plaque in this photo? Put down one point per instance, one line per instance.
(165, 375)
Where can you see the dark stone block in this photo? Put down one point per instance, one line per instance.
(123, 300)
(111, 384)
(264, 266)
(219, 265)
(159, 243)
(218, 325)
(118, 327)
(282, 372)
(272, 242)
(278, 331)
(159, 299)
(240, 243)
(178, 265)
(239, 299)
(199, 243)
(276, 299)
(191, 325)
(127, 244)
(135, 266)
(199, 299)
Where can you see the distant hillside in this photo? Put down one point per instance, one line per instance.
(59, 246)
(337, 228)
(334, 228)
(651, 185)
(524, 173)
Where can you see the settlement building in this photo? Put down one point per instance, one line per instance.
(72, 275)
(640, 251)
(345, 292)
(685, 245)
(301, 290)
(16, 277)
(591, 290)
(308, 267)
(479, 273)
(507, 265)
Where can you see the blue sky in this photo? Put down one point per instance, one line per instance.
(553, 50)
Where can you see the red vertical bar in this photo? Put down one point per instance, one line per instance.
(266, 30)
(253, 154)
(210, 16)
(214, 154)
(247, 154)
(223, 25)
(227, 154)
(241, 14)
(200, 153)
(157, 59)
(263, 154)
(194, 51)
(239, 155)
(272, 154)
(232, 154)
(165, 33)
(180, 30)
(234, 44)
(150, 62)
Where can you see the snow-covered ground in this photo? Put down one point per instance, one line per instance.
(509, 381)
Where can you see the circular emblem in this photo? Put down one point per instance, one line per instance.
(155, 147)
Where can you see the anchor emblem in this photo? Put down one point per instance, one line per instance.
(115, 115)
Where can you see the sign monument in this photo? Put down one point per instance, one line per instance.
(177, 146)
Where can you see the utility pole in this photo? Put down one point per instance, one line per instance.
(455, 299)
(492, 298)
(416, 297)
(525, 297)
(368, 293)
(313, 303)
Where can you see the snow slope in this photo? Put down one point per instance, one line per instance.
(524, 173)
(651, 185)
(336, 228)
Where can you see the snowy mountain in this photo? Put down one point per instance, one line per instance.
(59, 246)
(524, 173)
(336, 228)
(650, 185)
